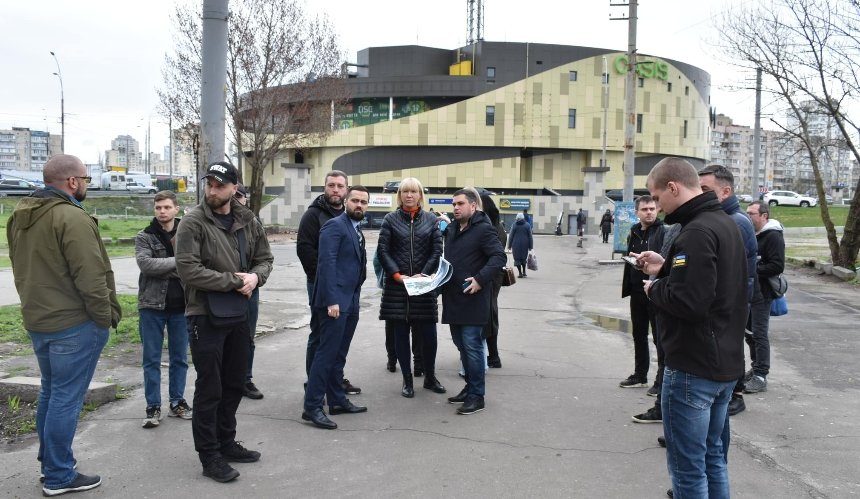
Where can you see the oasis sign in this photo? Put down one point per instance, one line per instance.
(645, 69)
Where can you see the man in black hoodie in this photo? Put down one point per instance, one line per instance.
(161, 304)
(697, 298)
(326, 206)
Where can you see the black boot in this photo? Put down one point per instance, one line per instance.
(432, 384)
(407, 390)
(392, 364)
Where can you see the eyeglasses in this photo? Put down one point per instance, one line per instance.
(85, 179)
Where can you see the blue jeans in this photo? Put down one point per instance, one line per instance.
(471, 346)
(67, 360)
(696, 427)
(151, 328)
(253, 314)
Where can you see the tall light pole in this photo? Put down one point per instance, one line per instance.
(59, 74)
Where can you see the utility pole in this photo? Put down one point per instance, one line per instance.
(214, 81)
(757, 136)
(59, 74)
(629, 99)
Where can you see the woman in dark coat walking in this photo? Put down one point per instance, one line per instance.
(491, 330)
(606, 225)
(410, 245)
(520, 243)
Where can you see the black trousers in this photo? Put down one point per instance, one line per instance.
(423, 345)
(642, 316)
(491, 329)
(390, 342)
(220, 356)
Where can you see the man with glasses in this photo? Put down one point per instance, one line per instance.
(68, 301)
(771, 263)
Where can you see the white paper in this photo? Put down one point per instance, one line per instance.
(420, 285)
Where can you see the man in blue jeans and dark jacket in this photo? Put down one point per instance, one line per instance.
(473, 249)
(697, 298)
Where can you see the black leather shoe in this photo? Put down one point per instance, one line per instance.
(319, 419)
(460, 397)
(472, 405)
(494, 362)
(670, 494)
(432, 384)
(347, 408)
(349, 388)
(661, 441)
(407, 391)
(391, 365)
(736, 405)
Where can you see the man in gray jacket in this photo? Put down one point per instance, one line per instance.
(220, 249)
(161, 303)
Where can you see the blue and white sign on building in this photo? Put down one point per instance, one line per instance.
(441, 200)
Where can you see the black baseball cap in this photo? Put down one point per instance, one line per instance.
(223, 172)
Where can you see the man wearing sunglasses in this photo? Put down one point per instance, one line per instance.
(68, 302)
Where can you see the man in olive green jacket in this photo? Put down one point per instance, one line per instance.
(68, 302)
(208, 245)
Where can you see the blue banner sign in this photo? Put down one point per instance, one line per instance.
(441, 200)
(625, 218)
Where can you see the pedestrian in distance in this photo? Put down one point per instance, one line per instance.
(520, 243)
(696, 292)
(222, 255)
(326, 206)
(606, 222)
(580, 227)
(476, 256)
(161, 306)
(250, 390)
(68, 301)
(341, 270)
(410, 245)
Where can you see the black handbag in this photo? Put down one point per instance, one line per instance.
(779, 284)
(508, 277)
(229, 308)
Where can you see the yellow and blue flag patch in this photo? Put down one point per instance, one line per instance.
(679, 261)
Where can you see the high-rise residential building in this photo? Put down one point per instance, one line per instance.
(124, 152)
(23, 149)
(183, 154)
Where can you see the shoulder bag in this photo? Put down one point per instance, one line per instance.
(230, 308)
(508, 277)
(779, 284)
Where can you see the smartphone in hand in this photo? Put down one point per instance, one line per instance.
(631, 261)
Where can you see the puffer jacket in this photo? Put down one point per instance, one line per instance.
(408, 246)
(771, 249)
(61, 268)
(157, 264)
(207, 255)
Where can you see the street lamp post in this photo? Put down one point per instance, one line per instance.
(59, 74)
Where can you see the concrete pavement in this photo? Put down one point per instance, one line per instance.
(556, 423)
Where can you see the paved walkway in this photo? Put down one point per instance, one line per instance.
(556, 423)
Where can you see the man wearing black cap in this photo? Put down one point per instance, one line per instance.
(222, 256)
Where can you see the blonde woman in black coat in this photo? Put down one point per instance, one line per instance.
(410, 245)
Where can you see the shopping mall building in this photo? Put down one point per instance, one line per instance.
(523, 120)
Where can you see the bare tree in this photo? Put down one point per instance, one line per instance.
(283, 76)
(807, 51)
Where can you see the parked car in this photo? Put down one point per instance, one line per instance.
(136, 188)
(16, 187)
(393, 185)
(789, 198)
(745, 198)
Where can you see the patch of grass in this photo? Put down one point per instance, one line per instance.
(88, 407)
(793, 216)
(27, 426)
(13, 402)
(12, 326)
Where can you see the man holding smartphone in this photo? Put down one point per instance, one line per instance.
(644, 236)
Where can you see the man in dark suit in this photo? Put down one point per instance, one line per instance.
(341, 270)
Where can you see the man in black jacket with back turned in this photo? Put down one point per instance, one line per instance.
(326, 206)
(702, 317)
(473, 249)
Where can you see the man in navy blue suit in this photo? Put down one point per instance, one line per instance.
(341, 270)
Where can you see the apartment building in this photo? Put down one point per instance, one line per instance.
(23, 149)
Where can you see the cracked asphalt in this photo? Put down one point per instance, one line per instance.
(556, 423)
